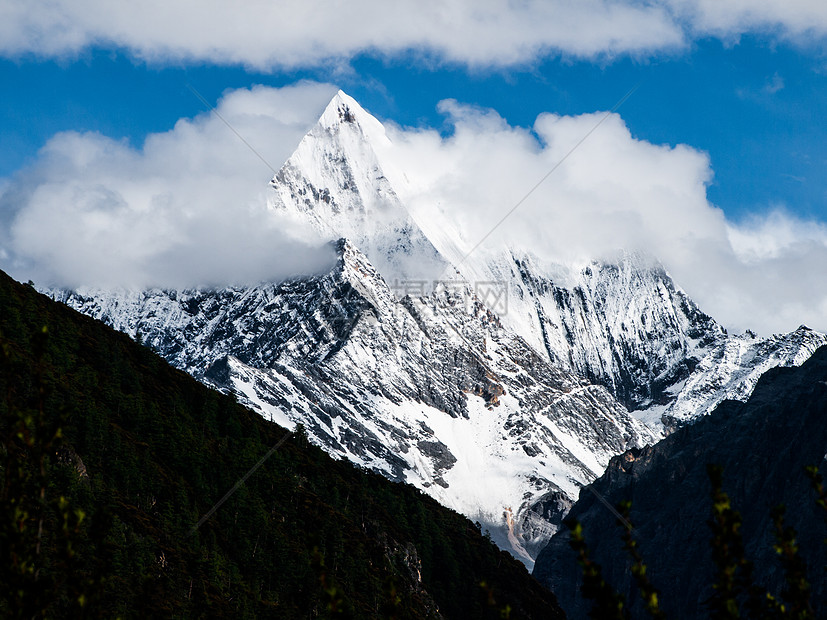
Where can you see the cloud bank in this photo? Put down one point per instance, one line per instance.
(277, 35)
(791, 19)
(615, 192)
(187, 208)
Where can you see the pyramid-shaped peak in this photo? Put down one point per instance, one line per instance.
(345, 110)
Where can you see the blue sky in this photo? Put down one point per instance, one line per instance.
(743, 83)
(757, 107)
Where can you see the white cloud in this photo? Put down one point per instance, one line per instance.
(774, 84)
(614, 192)
(728, 18)
(266, 35)
(187, 208)
(481, 33)
(773, 235)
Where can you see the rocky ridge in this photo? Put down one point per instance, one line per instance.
(431, 390)
(762, 445)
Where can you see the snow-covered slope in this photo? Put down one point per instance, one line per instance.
(731, 370)
(627, 326)
(431, 390)
(335, 181)
(623, 324)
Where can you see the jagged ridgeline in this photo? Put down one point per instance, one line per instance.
(146, 450)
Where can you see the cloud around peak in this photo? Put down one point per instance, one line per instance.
(189, 207)
(186, 208)
(614, 192)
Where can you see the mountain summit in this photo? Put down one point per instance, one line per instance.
(335, 181)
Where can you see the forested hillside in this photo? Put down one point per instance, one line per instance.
(110, 457)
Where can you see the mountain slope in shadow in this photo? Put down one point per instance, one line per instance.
(146, 451)
(762, 445)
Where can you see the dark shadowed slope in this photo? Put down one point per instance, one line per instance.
(763, 446)
(147, 450)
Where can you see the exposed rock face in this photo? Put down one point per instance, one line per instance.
(763, 446)
(731, 369)
(433, 391)
(627, 326)
(66, 455)
(405, 559)
(622, 324)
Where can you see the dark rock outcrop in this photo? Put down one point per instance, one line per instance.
(763, 446)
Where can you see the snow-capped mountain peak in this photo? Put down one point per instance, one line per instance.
(334, 176)
(335, 181)
(622, 323)
(500, 415)
(344, 110)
